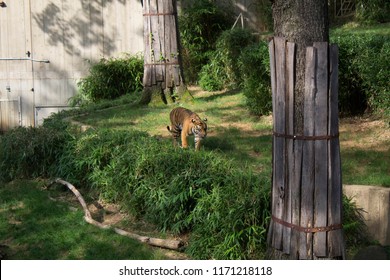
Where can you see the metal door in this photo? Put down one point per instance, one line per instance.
(16, 69)
(10, 114)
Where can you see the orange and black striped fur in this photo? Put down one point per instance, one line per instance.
(184, 123)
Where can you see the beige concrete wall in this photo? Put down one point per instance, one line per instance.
(375, 201)
(69, 34)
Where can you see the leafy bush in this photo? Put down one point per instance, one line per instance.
(231, 220)
(87, 155)
(355, 230)
(363, 73)
(175, 189)
(255, 72)
(109, 79)
(212, 76)
(31, 152)
(223, 69)
(373, 10)
(201, 22)
(263, 10)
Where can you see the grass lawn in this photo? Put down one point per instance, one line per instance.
(356, 28)
(36, 224)
(365, 142)
(365, 151)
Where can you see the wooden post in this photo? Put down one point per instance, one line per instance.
(335, 238)
(306, 180)
(162, 68)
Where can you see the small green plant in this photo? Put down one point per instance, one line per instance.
(363, 73)
(223, 70)
(232, 219)
(110, 79)
(255, 71)
(373, 10)
(31, 152)
(353, 223)
(201, 22)
(213, 76)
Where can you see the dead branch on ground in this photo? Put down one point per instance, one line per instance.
(163, 243)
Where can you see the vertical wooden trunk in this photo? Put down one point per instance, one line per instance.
(306, 188)
(302, 22)
(162, 71)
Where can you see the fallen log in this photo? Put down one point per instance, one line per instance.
(158, 242)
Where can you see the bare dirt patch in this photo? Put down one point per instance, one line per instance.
(365, 132)
(111, 214)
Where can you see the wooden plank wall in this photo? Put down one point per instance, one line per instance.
(161, 55)
(306, 183)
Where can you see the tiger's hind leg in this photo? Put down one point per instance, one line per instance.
(175, 134)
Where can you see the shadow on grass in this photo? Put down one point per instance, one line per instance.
(124, 116)
(243, 148)
(215, 95)
(365, 167)
(34, 226)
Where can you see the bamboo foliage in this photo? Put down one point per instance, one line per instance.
(306, 188)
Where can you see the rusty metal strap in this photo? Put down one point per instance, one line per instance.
(161, 63)
(159, 14)
(307, 229)
(304, 137)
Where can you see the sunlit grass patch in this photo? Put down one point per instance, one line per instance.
(33, 225)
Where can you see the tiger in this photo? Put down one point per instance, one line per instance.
(184, 122)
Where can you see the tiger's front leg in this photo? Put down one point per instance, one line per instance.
(197, 143)
(184, 143)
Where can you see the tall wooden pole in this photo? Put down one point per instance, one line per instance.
(306, 189)
(162, 62)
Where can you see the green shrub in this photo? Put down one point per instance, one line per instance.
(255, 72)
(201, 22)
(27, 152)
(88, 155)
(355, 229)
(213, 76)
(363, 73)
(225, 207)
(223, 70)
(231, 220)
(373, 10)
(109, 79)
(175, 189)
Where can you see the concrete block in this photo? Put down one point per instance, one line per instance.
(375, 201)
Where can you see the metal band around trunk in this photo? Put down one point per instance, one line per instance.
(304, 137)
(307, 229)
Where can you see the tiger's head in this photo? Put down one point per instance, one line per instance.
(199, 127)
